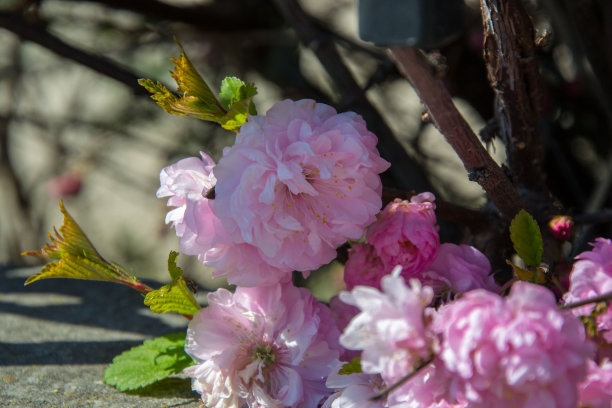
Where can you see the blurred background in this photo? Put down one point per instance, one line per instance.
(76, 126)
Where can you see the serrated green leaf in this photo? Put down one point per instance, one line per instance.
(527, 238)
(175, 271)
(237, 98)
(75, 257)
(354, 367)
(148, 363)
(174, 297)
(230, 91)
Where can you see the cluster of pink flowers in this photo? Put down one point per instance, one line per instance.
(297, 183)
(303, 180)
(406, 234)
(266, 346)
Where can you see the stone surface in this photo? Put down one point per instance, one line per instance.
(57, 336)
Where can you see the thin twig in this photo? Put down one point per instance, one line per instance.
(594, 218)
(401, 381)
(457, 132)
(601, 298)
(38, 34)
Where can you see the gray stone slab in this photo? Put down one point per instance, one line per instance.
(57, 336)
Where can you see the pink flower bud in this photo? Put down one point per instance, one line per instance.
(561, 227)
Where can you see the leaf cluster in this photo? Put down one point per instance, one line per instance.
(195, 98)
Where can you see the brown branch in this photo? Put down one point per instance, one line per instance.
(38, 34)
(509, 53)
(406, 173)
(218, 16)
(457, 132)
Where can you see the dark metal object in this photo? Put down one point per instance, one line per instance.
(420, 23)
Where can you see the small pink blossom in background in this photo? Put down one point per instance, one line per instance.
(514, 351)
(406, 234)
(354, 390)
(201, 232)
(458, 269)
(596, 390)
(299, 182)
(363, 267)
(65, 185)
(591, 275)
(391, 328)
(561, 227)
(267, 346)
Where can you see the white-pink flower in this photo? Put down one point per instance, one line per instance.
(518, 351)
(267, 346)
(596, 389)
(392, 327)
(187, 180)
(591, 275)
(201, 232)
(406, 234)
(458, 269)
(299, 182)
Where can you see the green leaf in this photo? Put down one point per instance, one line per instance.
(527, 238)
(354, 367)
(230, 91)
(174, 297)
(195, 98)
(75, 257)
(148, 363)
(236, 97)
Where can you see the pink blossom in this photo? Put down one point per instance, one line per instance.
(596, 390)
(458, 269)
(343, 313)
(363, 267)
(267, 346)
(406, 234)
(391, 327)
(354, 390)
(201, 232)
(186, 182)
(428, 388)
(299, 182)
(517, 351)
(591, 275)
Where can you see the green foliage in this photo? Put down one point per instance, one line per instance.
(75, 257)
(148, 363)
(195, 98)
(236, 97)
(354, 367)
(174, 297)
(527, 238)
